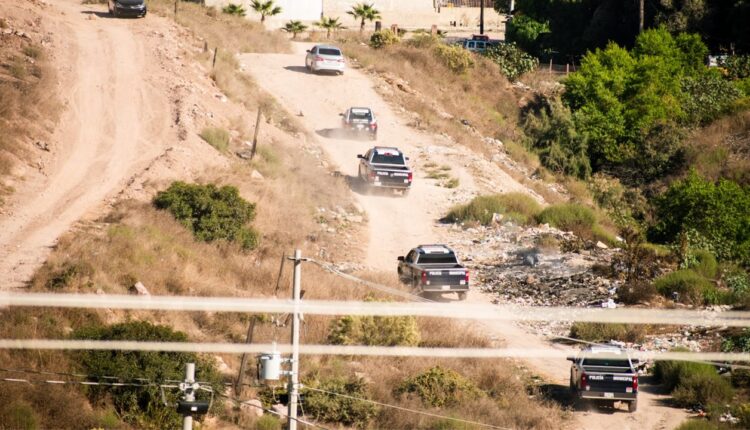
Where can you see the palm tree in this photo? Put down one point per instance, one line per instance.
(329, 24)
(295, 27)
(234, 9)
(265, 8)
(364, 11)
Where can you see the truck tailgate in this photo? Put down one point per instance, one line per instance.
(446, 279)
(608, 385)
(391, 177)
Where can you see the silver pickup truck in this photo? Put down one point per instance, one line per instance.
(385, 167)
(604, 374)
(434, 269)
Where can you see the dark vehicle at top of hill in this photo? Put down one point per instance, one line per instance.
(433, 269)
(604, 374)
(122, 8)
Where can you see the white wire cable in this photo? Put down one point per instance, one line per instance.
(401, 408)
(431, 309)
(350, 350)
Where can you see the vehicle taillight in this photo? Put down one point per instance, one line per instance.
(318, 58)
(424, 277)
(584, 382)
(635, 383)
(409, 178)
(374, 125)
(466, 277)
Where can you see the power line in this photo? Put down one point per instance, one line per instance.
(271, 411)
(428, 309)
(87, 383)
(351, 350)
(401, 408)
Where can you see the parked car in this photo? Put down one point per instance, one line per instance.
(118, 8)
(434, 269)
(385, 167)
(325, 58)
(479, 43)
(360, 120)
(604, 374)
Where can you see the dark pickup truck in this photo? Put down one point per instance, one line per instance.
(605, 375)
(434, 269)
(385, 167)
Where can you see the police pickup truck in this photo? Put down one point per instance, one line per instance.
(434, 269)
(385, 167)
(604, 374)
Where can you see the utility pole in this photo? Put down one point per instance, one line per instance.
(255, 136)
(481, 17)
(243, 363)
(294, 376)
(187, 419)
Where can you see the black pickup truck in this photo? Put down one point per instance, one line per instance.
(434, 269)
(385, 167)
(604, 374)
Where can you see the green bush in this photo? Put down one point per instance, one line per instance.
(718, 212)
(744, 86)
(738, 282)
(422, 41)
(454, 57)
(707, 97)
(268, 422)
(569, 217)
(383, 38)
(705, 264)
(140, 406)
(18, 415)
(234, 9)
(339, 409)
(516, 207)
(603, 332)
(737, 66)
(737, 342)
(374, 330)
(512, 60)
(525, 32)
(211, 213)
(440, 387)
(702, 388)
(691, 287)
(216, 137)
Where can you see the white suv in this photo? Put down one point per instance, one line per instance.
(325, 57)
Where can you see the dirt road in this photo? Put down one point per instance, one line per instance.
(397, 223)
(116, 119)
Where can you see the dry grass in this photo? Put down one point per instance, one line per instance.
(27, 102)
(722, 150)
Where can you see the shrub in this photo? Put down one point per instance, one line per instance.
(569, 217)
(737, 66)
(525, 31)
(718, 212)
(737, 342)
(516, 207)
(141, 406)
(339, 409)
(422, 41)
(18, 415)
(374, 330)
(211, 213)
(693, 384)
(383, 38)
(635, 292)
(691, 287)
(707, 96)
(454, 57)
(512, 60)
(439, 387)
(603, 332)
(705, 264)
(268, 422)
(738, 282)
(697, 424)
(234, 9)
(216, 137)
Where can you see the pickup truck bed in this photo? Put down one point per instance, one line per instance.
(604, 375)
(434, 269)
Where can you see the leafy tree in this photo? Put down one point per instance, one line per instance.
(294, 27)
(234, 9)
(526, 32)
(140, 406)
(211, 213)
(707, 96)
(719, 212)
(513, 61)
(330, 24)
(265, 8)
(364, 12)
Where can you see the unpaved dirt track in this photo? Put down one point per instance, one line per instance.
(397, 224)
(115, 120)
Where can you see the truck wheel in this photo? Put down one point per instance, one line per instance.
(462, 295)
(632, 406)
(405, 192)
